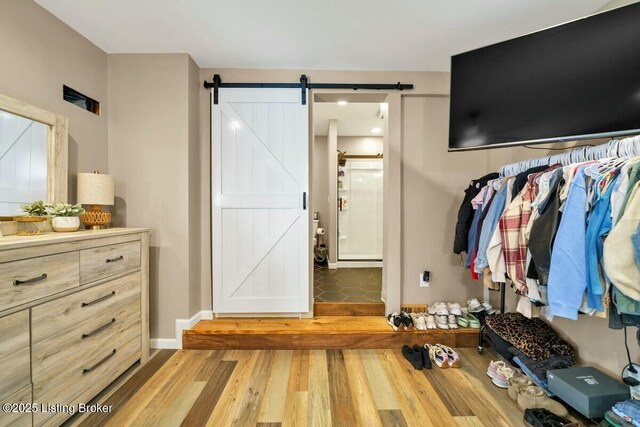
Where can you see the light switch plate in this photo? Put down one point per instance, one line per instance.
(423, 283)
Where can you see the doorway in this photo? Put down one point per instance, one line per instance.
(348, 176)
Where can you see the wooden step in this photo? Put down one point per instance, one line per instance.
(348, 309)
(324, 332)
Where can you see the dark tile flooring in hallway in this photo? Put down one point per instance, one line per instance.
(347, 284)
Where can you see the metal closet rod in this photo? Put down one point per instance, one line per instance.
(303, 85)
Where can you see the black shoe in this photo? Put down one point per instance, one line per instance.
(414, 357)
(540, 417)
(394, 320)
(426, 360)
(407, 320)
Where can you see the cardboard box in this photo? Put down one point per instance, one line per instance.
(588, 390)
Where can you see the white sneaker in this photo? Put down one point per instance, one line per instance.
(431, 322)
(433, 308)
(454, 309)
(441, 309)
(488, 308)
(419, 321)
(453, 323)
(474, 306)
(442, 322)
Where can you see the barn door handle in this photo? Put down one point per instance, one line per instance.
(304, 200)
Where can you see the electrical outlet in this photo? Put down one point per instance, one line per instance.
(424, 279)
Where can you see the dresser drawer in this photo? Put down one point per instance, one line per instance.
(56, 316)
(17, 419)
(52, 355)
(15, 372)
(31, 279)
(99, 365)
(106, 261)
(14, 333)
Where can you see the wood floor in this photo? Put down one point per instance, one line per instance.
(321, 332)
(307, 388)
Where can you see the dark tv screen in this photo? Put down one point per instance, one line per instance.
(579, 80)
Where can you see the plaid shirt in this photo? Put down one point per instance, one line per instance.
(513, 227)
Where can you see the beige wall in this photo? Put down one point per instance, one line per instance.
(320, 186)
(195, 272)
(38, 55)
(152, 147)
(360, 144)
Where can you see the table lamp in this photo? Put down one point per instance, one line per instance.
(95, 189)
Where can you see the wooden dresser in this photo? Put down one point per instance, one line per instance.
(73, 317)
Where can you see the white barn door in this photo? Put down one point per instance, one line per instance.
(260, 161)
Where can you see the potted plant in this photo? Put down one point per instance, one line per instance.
(35, 221)
(66, 217)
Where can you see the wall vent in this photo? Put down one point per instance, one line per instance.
(80, 100)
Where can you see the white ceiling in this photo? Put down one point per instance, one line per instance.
(354, 119)
(312, 34)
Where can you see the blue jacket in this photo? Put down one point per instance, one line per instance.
(568, 272)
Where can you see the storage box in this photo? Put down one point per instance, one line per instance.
(587, 390)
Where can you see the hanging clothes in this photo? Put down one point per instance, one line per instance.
(568, 270)
(466, 212)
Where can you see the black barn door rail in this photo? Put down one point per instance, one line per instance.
(303, 86)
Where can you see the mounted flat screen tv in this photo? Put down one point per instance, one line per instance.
(579, 80)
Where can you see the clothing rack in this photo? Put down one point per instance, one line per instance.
(627, 147)
(616, 148)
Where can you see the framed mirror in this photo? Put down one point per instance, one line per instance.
(33, 155)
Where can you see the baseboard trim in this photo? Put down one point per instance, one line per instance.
(333, 266)
(181, 325)
(359, 264)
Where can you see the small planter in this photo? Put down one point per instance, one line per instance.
(66, 223)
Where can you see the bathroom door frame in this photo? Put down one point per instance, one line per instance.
(392, 186)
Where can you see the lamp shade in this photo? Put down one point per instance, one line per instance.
(95, 189)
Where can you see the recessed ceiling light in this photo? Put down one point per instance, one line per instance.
(376, 130)
(342, 102)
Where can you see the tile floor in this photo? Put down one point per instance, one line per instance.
(347, 284)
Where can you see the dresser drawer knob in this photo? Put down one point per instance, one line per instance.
(94, 367)
(95, 301)
(100, 329)
(116, 259)
(29, 281)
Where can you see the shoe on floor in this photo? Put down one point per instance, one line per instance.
(515, 383)
(540, 417)
(451, 319)
(442, 322)
(453, 356)
(493, 367)
(535, 397)
(474, 306)
(438, 356)
(407, 320)
(502, 376)
(394, 320)
(414, 356)
(431, 322)
(419, 321)
(426, 358)
(454, 308)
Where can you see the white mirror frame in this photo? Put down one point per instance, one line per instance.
(57, 141)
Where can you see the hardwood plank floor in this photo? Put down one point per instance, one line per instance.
(306, 388)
